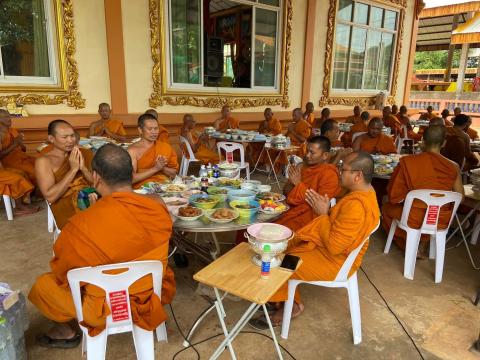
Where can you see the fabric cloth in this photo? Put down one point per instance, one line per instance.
(472, 134)
(112, 125)
(224, 124)
(147, 161)
(325, 243)
(382, 144)
(273, 127)
(14, 183)
(346, 138)
(457, 148)
(427, 170)
(392, 122)
(322, 178)
(163, 134)
(17, 159)
(118, 228)
(65, 207)
(310, 119)
(203, 153)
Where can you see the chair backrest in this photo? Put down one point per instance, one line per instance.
(116, 288)
(434, 199)
(51, 225)
(347, 265)
(230, 147)
(191, 154)
(333, 202)
(357, 134)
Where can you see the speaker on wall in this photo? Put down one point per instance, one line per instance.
(214, 57)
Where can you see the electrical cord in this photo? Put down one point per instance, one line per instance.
(393, 313)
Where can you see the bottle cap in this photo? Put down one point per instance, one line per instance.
(267, 248)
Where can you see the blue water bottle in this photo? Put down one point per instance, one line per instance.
(266, 259)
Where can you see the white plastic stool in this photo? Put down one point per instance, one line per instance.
(9, 205)
(230, 147)
(185, 163)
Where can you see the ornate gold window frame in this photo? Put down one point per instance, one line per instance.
(364, 101)
(161, 95)
(67, 89)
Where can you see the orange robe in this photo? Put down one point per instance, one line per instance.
(147, 161)
(325, 243)
(393, 123)
(163, 134)
(65, 207)
(410, 133)
(273, 127)
(448, 122)
(304, 129)
(119, 228)
(310, 119)
(17, 159)
(115, 126)
(203, 153)
(234, 124)
(46, 149)
(472, 134)
(457, 148)
(346, 138)
(359, 127)
(322, 178)
(14, 183)
(422, 171)
(383, 144)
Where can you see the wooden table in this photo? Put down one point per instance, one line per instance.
(235, 273)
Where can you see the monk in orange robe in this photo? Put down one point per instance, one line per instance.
(198, 143)
(429, 115)
(391, 121)
(362, 125)
(428, 170)
(325, 243)
(298, 131)
(153, 160)
(14, 183)
(269, 126)
(353, 119)
(120, 227)
(107, 127)
(226, 121)
(457, 146)
(405, 121)
(324, 115)
(445, 114)
(473, 134)
(309, 115)
(63, 171)
(315, 173)
(163, 134)
(331, 131)
(374, 141)
(12, 149)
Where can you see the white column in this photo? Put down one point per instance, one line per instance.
(462, 68)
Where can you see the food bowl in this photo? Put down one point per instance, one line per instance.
(230, 173)
(174, 188)
(220, 215)
(270, 207)
(264, 188)
(219, 192)
(244, 208)
(275, 235)
(174, 202)
(248, 186)
(175, 212)
(187, 194)
(268, 195)
(241, 195)
(204, 201)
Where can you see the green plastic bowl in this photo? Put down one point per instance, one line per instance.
(237, 205)
(213, 201)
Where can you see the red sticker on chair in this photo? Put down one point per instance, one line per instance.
(432, 214)
(119, 305)
(229, 157)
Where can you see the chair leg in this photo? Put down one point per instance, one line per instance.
(476, 230)
(287, 310)
(96, 346)
(143, 340)
(247, 169)
(440, 256)
(411, 249)
(354, 301)
(8, 207)
(162, 332)
(393, 227)
(182, 165)
(432, 251)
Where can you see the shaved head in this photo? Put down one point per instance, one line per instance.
(363, 162)
(437, 121)
(53, 125)
(375, 121)
(297, 114)
(152, 112)
(114, 165)
(434, 136)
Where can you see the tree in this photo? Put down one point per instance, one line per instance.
(435, 59)
(14, 25)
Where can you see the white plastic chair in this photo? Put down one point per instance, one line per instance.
(185, 163)
(52, 224)
(476, 230)
(9, 206)
(357, 134)
(434, 199)
(117, 284)
(231, 147)
(399, 140)
(342, 280)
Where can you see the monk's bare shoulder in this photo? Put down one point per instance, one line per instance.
(134, 149)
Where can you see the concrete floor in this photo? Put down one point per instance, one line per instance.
(440, 318)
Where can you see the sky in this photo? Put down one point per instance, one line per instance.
(434, 3)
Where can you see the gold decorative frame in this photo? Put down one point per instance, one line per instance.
(363, 101)
(68, 89)
(161, 95)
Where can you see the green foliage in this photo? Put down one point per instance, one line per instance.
(435, 59)
(15, 24)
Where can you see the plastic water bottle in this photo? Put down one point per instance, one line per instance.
(288, 142)
(266, 259)
(210, 170)
(203, 172)
(216, 172)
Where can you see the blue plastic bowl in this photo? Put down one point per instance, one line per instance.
(241, 195)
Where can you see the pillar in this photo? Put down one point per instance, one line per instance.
(448, 70)
(309, 51)
(462, 68)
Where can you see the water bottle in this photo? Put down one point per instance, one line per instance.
(216, 172)
(288, 142)
(203, 172)
(209, 170)
(266, 259)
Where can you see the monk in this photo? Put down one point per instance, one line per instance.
(309, 115)
(15, 184)
(49, 147)
(226, 121)
(437, 121)
(315, 173)
(163, 134)
(428, 170)
(12, 149)
(391, 121)
(353, 119)
(395, 110)
(299, 131)
(324, 115)
(362, 125)
(429, 114)
(63, 172)
(107, 127)
(445, 114)
(325, 243)
(457, 147)
(269, 126)
(120, 227)
(198, 143)
(405, 121)
(457, 111)
(374, 141)
(330, 130)
(472, 134)
(152, 160)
